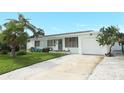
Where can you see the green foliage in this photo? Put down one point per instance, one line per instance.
(121, 36)
(21, 52)
(108, 36)
(1, 36)
(46, 49)
(4, 52)
(5, 47)
(14, 34)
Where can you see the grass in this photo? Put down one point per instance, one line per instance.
(8, 64)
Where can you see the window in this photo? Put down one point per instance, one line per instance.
(51, 42)
(71, 42)
(37, 43)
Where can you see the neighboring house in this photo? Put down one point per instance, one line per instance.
(83, 42)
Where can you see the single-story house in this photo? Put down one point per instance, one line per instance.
(83, 42)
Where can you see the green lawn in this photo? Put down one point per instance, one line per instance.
(8, 64)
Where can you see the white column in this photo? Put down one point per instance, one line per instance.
(57, 45)
(63, 43)
(79, 45)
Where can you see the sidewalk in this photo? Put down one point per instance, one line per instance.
(111, 68)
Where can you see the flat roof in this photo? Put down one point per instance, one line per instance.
(70, 33)
(66, 33)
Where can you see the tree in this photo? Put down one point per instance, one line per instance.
(0, 41)
(0, 38)
(108, 36)
(121, 41)
(14, 33)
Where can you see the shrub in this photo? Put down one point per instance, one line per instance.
(21, 52)
(32, 49)
(4, 52)
(46, 49)
(17, 48)
(5, 47)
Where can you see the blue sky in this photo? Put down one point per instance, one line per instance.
(61, 22)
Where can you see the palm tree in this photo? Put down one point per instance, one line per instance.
(36, 31)
(14, 34)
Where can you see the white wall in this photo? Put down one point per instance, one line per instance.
(116, 47)
(89, 45)
(30, 43)
(72, 50)
(54, 47)
(43, 43)
(53, 38)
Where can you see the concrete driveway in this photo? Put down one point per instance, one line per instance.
(68, 67)
(111, 68)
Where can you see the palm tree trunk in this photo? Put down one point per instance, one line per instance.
(20, 47)
(13, 53)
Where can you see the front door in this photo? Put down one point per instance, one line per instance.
(60, 44)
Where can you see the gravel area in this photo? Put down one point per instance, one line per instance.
(111, 68)
(69, 67)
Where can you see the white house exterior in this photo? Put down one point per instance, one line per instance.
(83, 42)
